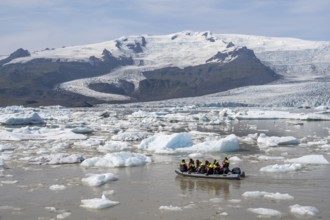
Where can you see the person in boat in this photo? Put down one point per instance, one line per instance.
(217, 168)
(191, 166)
(210, 167)
(183, 166)
(198, 163)
(202, 167)
(225, 165)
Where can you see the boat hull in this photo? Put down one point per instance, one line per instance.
(229, 176)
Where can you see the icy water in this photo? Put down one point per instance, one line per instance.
(142, 191)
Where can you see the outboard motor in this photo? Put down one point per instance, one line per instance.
(236, 170)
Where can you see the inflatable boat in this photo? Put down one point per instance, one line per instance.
(230, 176)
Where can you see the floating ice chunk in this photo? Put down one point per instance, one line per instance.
(263, 157)
(110, 146)
(2, 164)
(82, 130)
(21, 118)
(170, 208)
(227, 144)
(263, 212)
(37, 133)
(63, 215)
(277, 168)
(234, 200)
(9, 182)
(130, 136)
(278, 196)
(57, 187)
(161, 143)
(303, 210)
(99, 179)
(108, 192)
(5, 148)
(234, 158)
(325, 146)
(60, 158)
(265, 141)
(98, 203)
(92, 142)
(254, 194)
(120, 159)
(310, 159)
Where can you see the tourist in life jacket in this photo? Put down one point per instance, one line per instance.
(209, 168)
(225, 165)
(198, 163)
(202, 167)
(183, 166)
(191, 166)
(217, 168)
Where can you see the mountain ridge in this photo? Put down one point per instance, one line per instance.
(130, 69)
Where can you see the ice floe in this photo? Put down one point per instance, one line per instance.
(60, 158)
(111, 146)
(120, 159)
(2, 164)
(98, 203)
(57, 187)
(227, 144)
(281, 168)
(162, 143)
(267, 195)
(39, 133)
(309, 159)
(130, 136)
(21, 118)
(170, 208)
(265, 141)
(99, 179)
(265, 213)
(303, 210)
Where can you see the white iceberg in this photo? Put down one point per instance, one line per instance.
(310, 159)
(60, 158)
(170, 208)
(281, 168)
(99, 179)
(5, 148)
(303, 210)
(130, 136)
(265, 141)
(39, 133)
(227, 144)
(161, 143)
(57, 187)
(266, 213)
(98, 203)
(2, 164)
(120, 159)
(21, 118)
(110, 146)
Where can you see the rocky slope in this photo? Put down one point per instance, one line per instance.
(129, 69)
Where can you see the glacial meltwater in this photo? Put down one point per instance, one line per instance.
(120, 164)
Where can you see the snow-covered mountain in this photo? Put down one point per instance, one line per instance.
(295, 59)
(147, 68)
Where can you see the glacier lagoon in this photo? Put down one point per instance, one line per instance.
(118, 161)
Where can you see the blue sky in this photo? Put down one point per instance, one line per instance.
(38, 24)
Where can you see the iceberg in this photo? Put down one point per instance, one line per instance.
(310, 159)
(120, 159)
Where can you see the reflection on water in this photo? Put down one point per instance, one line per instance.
(213, 187)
